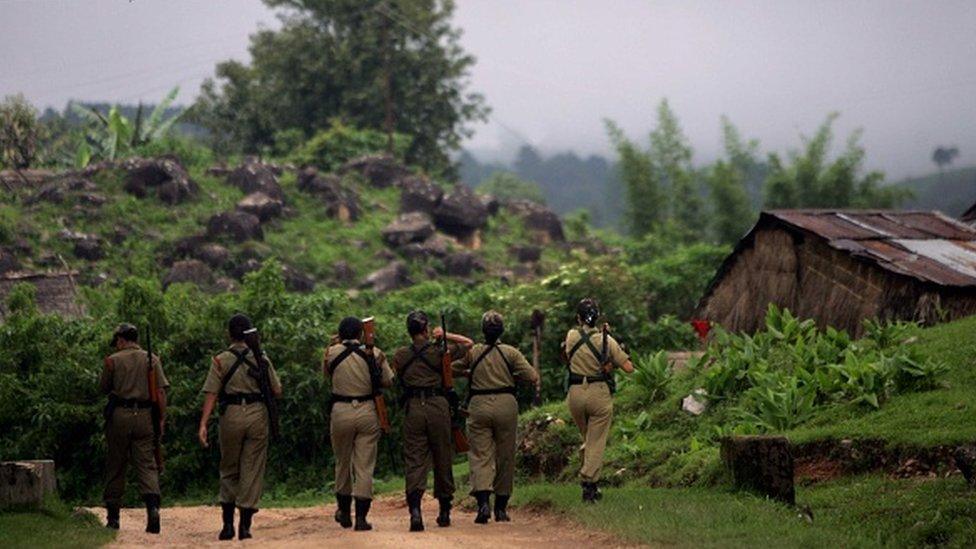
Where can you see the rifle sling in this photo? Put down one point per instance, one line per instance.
(576, 379)
(241, 358)
(474, 366)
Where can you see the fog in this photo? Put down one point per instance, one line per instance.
(552, 70)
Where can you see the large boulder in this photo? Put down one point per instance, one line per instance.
(242, 268)
(49, 192)
(8, 261)
(419, 194)
(261, 205)
(165, 176)
(86, 246)
(214, 255)
(238, 226)
(342, 272)
(340, 202)
(541, 220)
(252, 176)
(437, 245)
(460, 213)
(407, 228)
(462, 264)
(379, 170)
(527, 253)
(192, 271)
(393, 276)
(297, 281)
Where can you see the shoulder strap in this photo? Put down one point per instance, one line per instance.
(349, 350)
(240, 358)
(583, 340)
(477, 361)
(418, 354)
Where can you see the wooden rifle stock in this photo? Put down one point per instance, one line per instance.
(263, 377)
(158, 412)
(447, 374)
(376, 376)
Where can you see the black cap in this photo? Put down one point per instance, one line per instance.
(350, 328)
(588, 311)
(237, 325)
(125, 331)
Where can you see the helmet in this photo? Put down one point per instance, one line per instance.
(588, 311)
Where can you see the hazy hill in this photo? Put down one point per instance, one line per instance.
(951, 192)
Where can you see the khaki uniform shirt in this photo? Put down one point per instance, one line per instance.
(584, 362)
(419, 374)
(126, 375)
(351, 377)
(493, 372)
(240, 382)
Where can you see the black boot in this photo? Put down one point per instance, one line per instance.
(501, 509)
(362, 509)
(343, 514)
(112, 520)
(227, 513)
(484, 511)
(244, 527)
(444, 516)
(587, 493)
(416, 517)
(152, 512)
(597, 494)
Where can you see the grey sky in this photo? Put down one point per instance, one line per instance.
(903, 71)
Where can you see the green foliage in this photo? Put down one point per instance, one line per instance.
(55, 525)
(811, 180)
(673, 278)
(329, 60)
(20, 132)
(732, 215)
(651, 377)
(112, 135)
(646, 203)
(331, 148)
(508, 186)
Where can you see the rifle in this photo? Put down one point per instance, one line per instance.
(157, 410)
(605, 364)
(375, 375)
(447, 374)
(262, 373)
(538, 319)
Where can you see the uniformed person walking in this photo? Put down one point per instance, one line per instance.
(427, 436)
(492, 369)
(590, 399)
(244, 426)
(129, 424)
(354, 424)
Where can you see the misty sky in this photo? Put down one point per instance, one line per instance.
(552, 70)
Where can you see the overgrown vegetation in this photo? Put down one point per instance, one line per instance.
(55, 524)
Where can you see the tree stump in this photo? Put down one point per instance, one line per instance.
(26, 483)
(763, 464)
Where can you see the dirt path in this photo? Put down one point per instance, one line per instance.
(314, 527)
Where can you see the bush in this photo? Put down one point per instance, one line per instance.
(20, 132)
(508, 186)
(330, 149)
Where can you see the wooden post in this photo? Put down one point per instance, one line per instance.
(763, 464)
(538, 320)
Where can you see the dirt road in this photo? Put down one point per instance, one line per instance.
(314, 527)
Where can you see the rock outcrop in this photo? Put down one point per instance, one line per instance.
(192, 271)
(340, 202)
(238, 226)
(261, 205)
(407, 228)
(379, 170)
(460, 213)
(539, 219)
(165, 176)
(393, 276)
(418, 194)
(253, 176)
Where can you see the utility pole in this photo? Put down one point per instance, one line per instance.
(387, 76)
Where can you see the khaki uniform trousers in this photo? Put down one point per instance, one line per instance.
(355, 431)
(427, 441)
(243, 454)
(492, 421)
(130, 439)
(591, 406)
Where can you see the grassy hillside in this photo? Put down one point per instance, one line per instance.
(951, 192)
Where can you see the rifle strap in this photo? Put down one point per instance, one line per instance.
(418, 354)
(349, 350)
(240, 358)
(585, 339)
(474, 366)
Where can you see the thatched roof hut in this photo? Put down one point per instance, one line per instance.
(55, 292)
(840, 267)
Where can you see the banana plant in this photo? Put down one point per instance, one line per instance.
(113, 135)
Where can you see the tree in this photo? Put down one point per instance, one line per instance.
(113, 135)
(508, 186)
(743, 155)
(732, 214)
(19, 132)
(646, 206)
(337, 59)
(944, 156)
(811, 180)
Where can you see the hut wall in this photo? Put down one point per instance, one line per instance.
(761, 274)
(55, 293)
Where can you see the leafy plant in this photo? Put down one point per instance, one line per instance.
(329, 149)
(113, 135)
(20, 132)
(652, 376)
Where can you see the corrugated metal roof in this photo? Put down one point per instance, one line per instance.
(928, 246)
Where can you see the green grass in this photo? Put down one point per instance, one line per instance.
(939, 416)
(55, 525)
(865, 511)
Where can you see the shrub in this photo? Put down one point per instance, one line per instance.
(20, 132)
(330, 149)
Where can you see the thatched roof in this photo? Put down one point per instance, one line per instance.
(55, 292)
(924, 245)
